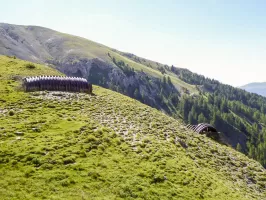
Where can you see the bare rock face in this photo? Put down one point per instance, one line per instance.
(137, 85)
(21, 42)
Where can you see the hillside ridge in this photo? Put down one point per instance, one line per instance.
(69, 145)
(256, 87)
(239, 116)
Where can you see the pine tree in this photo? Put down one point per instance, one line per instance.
(164, 80)
(201, 118)
(172, 68)
(136, 93)
(190, 118)
(184, 108)
(114, 60)
(215, 120)
(223, 106)
(238, 147)
(169, 80)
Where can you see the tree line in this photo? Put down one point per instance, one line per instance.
(234, 112)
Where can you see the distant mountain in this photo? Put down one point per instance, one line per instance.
(258, 88)
(239, 116)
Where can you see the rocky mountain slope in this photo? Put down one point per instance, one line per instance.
(238, 115)
(258, 88)
(81, 57)
(108, 146)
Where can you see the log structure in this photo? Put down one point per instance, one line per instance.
(206, 129)
(56, 83)
(201, 128)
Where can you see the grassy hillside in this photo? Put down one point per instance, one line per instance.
(107, 146)
(239, 115)
(11, 73)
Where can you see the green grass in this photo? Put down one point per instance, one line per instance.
(11, 73)
(108, 146)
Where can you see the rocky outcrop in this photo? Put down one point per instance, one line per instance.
(139, 85)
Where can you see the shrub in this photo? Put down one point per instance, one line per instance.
(71, 181)
(59, 176)
(29, 158)
(116, 141)
(82, 154)
(11, 113)
(69, 160)
(94, 174)
(47, 166)
(38, 130)
(36, 162)
(142, 174)
(14, 162)
(107, 140)
(3, 160)
(65, 183)
(101, 147)
(158, 178)
(126, 192)
(51, 106)
(29, 172)
(91, 138)
(30, 66)
(146, 140)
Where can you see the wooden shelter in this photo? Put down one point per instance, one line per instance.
(57, 83)
(206, 129)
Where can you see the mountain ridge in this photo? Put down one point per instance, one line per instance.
(256, 87)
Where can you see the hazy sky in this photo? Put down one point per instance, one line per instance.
(225, 40)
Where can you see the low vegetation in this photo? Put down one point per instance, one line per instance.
(238, 114)
(175, 91)
(30, 66)
(57, 145)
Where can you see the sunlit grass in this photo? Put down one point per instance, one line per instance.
(57, 145)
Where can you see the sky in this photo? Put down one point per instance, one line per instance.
(220, 39)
